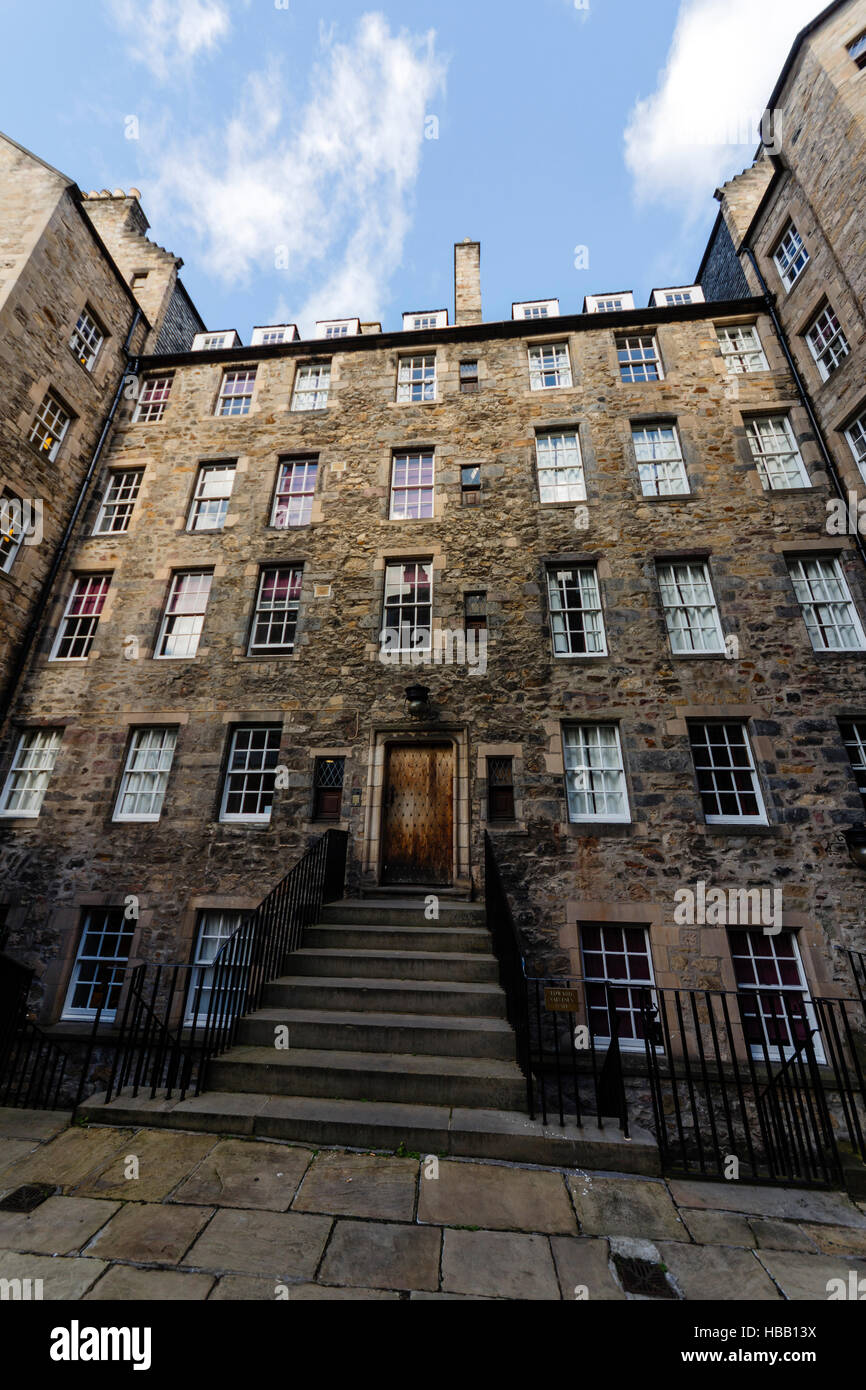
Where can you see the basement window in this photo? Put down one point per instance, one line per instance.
(328, 788)
(103, 955)
(214, 930)
(774, 1000)
(616, 955)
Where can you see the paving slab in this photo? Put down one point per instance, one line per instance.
(62, 1279)
(448, 1297)
(496, 1198)
(708, 1273)
(287, 1245)
(59, 1226)
(802, 1277)
(498, 1264)
(772, 1234)
(583, 1263)
(236, 1288)
(150, 1233)
(375, 1255)
(129, 1285)
(719, 1228)
(831, 1240)
(360, 1185)
(32, 1124)
(792, 1204)
(164, 1156)
(239, 1173)
(69, 1158)
(11, 1150)
(625, 1207)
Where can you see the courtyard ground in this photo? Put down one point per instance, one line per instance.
(165, 1214)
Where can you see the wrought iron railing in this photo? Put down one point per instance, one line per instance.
(857, 962)
(176, 1017)
(171, 1018)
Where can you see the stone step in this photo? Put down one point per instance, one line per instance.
(462, 940)
(432, 1034)
(402, 912)
(351, 995)
(398, 965)
(456, 1132)
(393, 1077)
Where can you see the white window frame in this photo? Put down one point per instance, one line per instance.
(742, 348)
(653, 467)
(614, 303)
(210, 474)
(830, 351)
(686, 613)
(295, 502)
(244, 398)
(146, 771)
(584, 772)
(12, 540)
(625, 985)
(394, 584)
(535, 309)
(117, 964)
(165, 634)
(776, 453)
(791, 256)
(575, 589)
(856, 743)
(855, 433)
(773, 1051)
(820, 609)
(312, 386)
(87, 339)
(425, 320)
(337, 328)
(276, 611)
(32, 764)
(756, 789)
(416, 378)
(153, 398)
(260, 818)
(50, 427)
(227, 922)
(558, 453)
(411, 497)
(274, 333)
(559, 357)
(634, 369)
(74, 626)
(215, 342)
(121, 494)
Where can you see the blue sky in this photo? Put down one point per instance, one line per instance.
(283, 147)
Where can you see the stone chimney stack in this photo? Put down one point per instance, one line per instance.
(467, 282)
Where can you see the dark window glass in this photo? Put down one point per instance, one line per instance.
(500, 789)
(328, 788)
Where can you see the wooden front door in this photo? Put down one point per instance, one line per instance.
(418, 815)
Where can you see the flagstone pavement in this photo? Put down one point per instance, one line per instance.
(165, 1214)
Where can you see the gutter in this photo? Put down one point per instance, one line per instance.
(804, 394)
(10, 690)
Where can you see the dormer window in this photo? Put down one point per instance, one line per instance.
(676, 296)
(338, 328)
(425, 319)
(609, 303)
(215, 342)
(276, 333)
(536, 309)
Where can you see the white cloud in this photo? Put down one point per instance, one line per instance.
(170, 34)
(328, 187)
(700, 125)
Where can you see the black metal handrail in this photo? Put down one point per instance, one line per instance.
(857, 962)
(33, 1066)
(166, 1038)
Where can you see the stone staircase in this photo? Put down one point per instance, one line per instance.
(398, 1039)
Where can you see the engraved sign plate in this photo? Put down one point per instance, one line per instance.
(562, 1001)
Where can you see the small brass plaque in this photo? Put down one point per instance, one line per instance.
(562, 1000)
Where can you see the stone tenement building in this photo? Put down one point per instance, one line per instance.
(617, 517)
